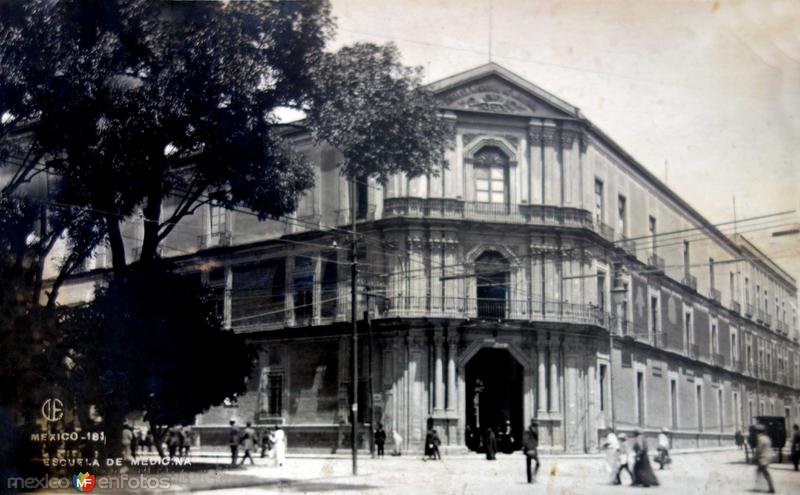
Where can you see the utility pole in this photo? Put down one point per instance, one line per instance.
(368, 324)
(354, 317)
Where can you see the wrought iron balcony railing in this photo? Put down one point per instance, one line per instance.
(736, 307)
(690, 281)
(490, 212)
(780, 326)
(605, 231)
(214, 239)
(767, 319)
(760, 315)
(493, 309)
(748, 309)
(715, 295)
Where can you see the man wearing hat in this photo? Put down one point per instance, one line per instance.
(763, 454)
(530, 446)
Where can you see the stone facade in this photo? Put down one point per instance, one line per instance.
(544, 253)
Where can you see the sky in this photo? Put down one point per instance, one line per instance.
(705, 94)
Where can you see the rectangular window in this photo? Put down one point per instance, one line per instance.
(303, 288)
(490, 185)
(747, 290)
(651, 229)
(687, 329)
(598, 201)
(711, 272)
(714, 343)
(686, 257)
(274, 394)
(640, 398)
(673, 401)
(720, 411)
(758, 296)
(732, 286)
(601, 290)
(699, 408)
(328, 286)
(654, 315)
(602, 378)
(622, 222)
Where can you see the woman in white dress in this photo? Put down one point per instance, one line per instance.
(278, 438)
(611, 446)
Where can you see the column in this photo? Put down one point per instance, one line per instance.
(542, 373)
(438, 374)
(289, 291)
(554, 389)
(316, 297)
(451, 375)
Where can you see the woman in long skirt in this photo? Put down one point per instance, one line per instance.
(643, 474)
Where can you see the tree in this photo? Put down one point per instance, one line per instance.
(150, 341)
(130, 103)
(136, 101)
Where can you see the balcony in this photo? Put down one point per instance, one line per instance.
(447, 208)
(718, 359)
(605, 231)
(627, 245)
(214, 239)
(656, 262)
(748, 309)
(780, 326)
(493, 309)
(737, 365)
(736, 307)
(760, 315)
(694, 351)
(715, 295)
(767, 319)
(690, 281)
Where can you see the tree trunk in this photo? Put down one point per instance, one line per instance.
(117, 244)
(152, 217)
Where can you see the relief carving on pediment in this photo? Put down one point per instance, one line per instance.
(491, 97)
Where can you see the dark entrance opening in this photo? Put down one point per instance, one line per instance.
(494, 396)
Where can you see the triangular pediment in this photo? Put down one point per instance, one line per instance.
(494, 89)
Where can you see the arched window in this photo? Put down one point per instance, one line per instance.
(491, 175)
(491, 272)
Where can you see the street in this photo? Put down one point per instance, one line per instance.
(695, 473)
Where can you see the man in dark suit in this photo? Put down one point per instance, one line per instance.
(530, 446)
(233, 441)
(796, 446)
(380, 439)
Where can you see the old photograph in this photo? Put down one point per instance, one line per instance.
(408, 246)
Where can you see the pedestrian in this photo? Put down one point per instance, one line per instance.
(233, 441)
(149, 441)
(279, 444)
(530, 447)
(507, 446)
(397, 442)
(490, 442)
(611, 446)
(750, 444)
(643, 474)
(173, 441)
(266, 443)
(739, 439)
(134, 443)
(248, 442)
(663, 449)
(624, 458)
(762, 455)
(796, 446)
(141, 440)
(436, 442)
(127, 436)
(380, 439)
(187, 437)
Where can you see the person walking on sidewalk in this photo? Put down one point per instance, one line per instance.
(380, 439)
(530, 447)
(248, 442)
(763, 453)
(796, 446)
(490, 442)
(233, 441)
(624, 456)
(279, 444)
(643, 474)
(397, 441)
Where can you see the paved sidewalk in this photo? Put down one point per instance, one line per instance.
(717, 473)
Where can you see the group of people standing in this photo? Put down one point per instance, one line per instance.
(632, 458)
(272, 442)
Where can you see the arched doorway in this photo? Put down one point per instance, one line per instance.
(491, 273)
(494, 387)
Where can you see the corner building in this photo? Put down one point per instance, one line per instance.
(543, 274)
